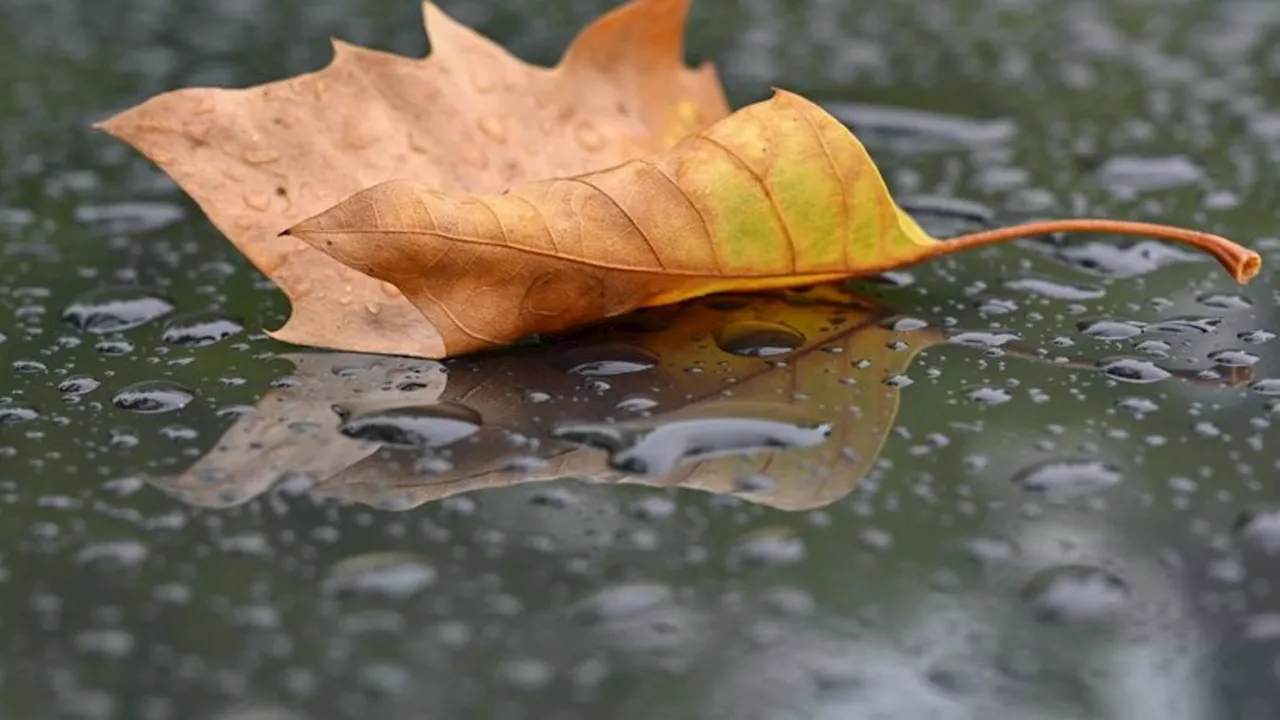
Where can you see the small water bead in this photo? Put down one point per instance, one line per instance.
(425, 426)
(199, 329)
(1137, 405)
(14, 414)
(607, 360)
(988, 395)
(113, 555)
(1056, 289)
(1256, 337)
(78, 385)
(904, 324)
(1131, 370)
(1225, 302)
(1233, 358)
(1111, 329)
(618, 602)
(109, 310)
(1076, 594)
(637, 403)
(1066, 478)
(152, 397)
(1148, 173)
(1260, 528)
(983, 339)
(391, 575)
(114, 347)
(757, 338)
(770, 546)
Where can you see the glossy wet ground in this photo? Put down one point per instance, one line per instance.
(1034, 482)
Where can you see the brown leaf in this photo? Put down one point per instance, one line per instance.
(468, 118)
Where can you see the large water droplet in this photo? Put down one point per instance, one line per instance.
(1233, 358)
(606, 360)
(1111, 329)
(426, 426)
(758, 338)
(384, 574)
(1133, 371)
(199, 329)
(110, 310)
(1186, 324)
(621, 601)
(1223, 301)
(647, 448)
(152, 396)
(1076, 594)
(1064, 478)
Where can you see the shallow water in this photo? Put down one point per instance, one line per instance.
(1031, 482)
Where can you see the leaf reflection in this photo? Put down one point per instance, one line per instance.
(783, 400)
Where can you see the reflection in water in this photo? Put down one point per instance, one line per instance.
(783, 400)
(806, 411)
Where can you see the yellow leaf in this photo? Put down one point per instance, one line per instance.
(468, 118)
(778, 194)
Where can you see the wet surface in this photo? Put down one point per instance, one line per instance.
(1034, 482)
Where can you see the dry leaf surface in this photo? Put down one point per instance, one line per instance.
(468, 118)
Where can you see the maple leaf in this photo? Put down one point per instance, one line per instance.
(467, 118)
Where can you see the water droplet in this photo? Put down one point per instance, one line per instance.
(1138, 405)
(421, 426)
(758, 338)
(1065, 478)
(988, 395)
(637, 403)
(980, 338)
(649, 448)
(199, 329)
(1256, 337)
(394, 575)
(618, 602)
(109, 310)
(1260, 528)
(1144, 173)
(1076, 594)
(128, 217)
(113, 555)
(1223, 301)
(904, 324)
(606, 360)
(1133, 371)
(770, 546)
(1111, 329)
(13, 414)
(152, 396)
(107, 643)
(1266, 386)
(1055, 289)
(1233, 358)
(1186, 324)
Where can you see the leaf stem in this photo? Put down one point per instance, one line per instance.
(1241, 262)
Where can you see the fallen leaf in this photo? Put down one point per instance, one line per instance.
(494, 200)
(468, 118)
(777, 194)
(688, 396)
